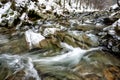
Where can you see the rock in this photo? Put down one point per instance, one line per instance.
(86, 39)
(106, 21)
(114, 7)
(17, 68)
(112, 72)
(49, 78)
(49, 31)
(115, 15)
(83, 27)
(116, 23)
(111, 38)
(4, 1)
(34, 15)
(33, 39)
(111, 43)
(92, 77)
(50, 43)
(15, 46)
(19, 75)
(3, 39)
(118, 3)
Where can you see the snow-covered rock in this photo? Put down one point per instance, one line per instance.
(33, 38)
(48, 31)
(4, 9)
(117, 23)
(114, 6)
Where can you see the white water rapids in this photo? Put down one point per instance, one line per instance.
(71, 58)
(16, 63)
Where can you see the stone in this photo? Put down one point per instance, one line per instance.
(92, 77)
(17, 46)
(33, 38)
(51, 44)
(112, 72)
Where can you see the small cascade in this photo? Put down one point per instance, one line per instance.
(17, 67)
(69, 59)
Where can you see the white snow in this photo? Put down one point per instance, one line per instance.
(32, 6)
(21, 3)
(117, 23)
(33, 38)
(60, 8)
(48, 31)
(4, 9)
(51, 5)
(23, 16)
(114, 6)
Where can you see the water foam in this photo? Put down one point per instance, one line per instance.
(71, 58)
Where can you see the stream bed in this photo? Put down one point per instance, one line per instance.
(41, 44)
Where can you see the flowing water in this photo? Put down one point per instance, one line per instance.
(77, 57)
(66, 65)
(16, 63)
(59, 40)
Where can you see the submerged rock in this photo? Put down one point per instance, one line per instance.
(3, 39)
(14, 46)
(92, 77)
(112, 72)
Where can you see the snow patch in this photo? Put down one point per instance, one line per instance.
(48, 31)
(4, 9)
(33, 38)
(114, 6)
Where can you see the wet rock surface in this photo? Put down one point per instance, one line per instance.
(112, 72)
